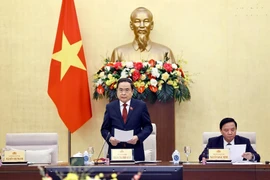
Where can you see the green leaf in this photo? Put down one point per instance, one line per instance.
(140, 96)
(152, 97)
(111, 94)
(166, 93)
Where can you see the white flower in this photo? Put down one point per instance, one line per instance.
(101, 75)
(159, 66)
(160, 63)
(99, 82)
(124, 73)
(145, 64)
(153, 82)
(155, 72)
(174, 66)
(107, 68)
(129, 64)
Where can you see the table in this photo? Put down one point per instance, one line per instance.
(223, 171)
(150, 171)
(21, 172)
(158, 171)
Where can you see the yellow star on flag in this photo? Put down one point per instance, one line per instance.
(68, 56)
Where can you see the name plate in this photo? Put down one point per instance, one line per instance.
(14, 156)
(122, 155)
(219, 154)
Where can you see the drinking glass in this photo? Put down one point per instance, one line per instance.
(187, 151)
(90, 152)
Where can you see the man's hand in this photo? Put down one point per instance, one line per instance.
(113, 141)
(248, 155)
(133, 140)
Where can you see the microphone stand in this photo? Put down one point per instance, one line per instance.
(96, 162)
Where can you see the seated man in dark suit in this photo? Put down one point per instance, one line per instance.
(228, 128)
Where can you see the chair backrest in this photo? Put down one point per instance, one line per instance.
(35, 144)
(250, 135)
(150, 146)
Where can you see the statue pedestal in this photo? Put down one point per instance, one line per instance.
(162, 114)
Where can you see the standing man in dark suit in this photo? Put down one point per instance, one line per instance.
(228, 128)
(137, 119)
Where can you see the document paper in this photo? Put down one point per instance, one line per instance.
(236, 152)
(123, 136)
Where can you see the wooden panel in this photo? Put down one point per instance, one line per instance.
(263, 172)
(162, 114)
(220, 172)
(19, 172)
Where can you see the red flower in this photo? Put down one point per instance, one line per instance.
(118, 65)
(153, 88)
(100, 89)
(152, 63)
(112, 86)
(136, 75)
(138, 66)
(149, 76)
(182, 72)
(168, 67)
(110, 64)
(141, 89)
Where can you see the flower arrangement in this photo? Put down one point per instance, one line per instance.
(154, 80)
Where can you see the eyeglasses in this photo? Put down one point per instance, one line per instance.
(123, 90)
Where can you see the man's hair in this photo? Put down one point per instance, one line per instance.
(125, 80)
(141, 9)
(225, 121)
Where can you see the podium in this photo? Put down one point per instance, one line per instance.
(163, 115)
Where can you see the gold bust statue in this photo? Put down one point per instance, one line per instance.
(142, 48)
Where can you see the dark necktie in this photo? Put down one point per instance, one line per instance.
(124, 113)
(229, 144)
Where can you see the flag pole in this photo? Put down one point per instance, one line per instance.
(69, 145)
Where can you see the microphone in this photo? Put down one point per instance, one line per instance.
(96, 162)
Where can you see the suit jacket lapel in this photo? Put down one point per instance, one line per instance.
(118, 112)
(221, 142)
(130, 111)
(237, 140)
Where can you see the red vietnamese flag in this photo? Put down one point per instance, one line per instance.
(68, 81)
